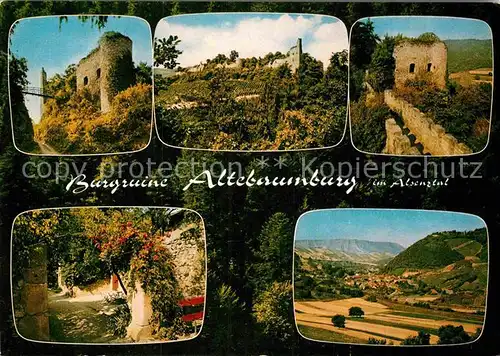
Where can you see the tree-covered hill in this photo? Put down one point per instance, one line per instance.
(468, 54)
(251, 106)
(441, 249)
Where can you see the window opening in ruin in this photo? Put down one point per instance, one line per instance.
(412, 68)
(85, 81)
(429, 66)
(98, 72)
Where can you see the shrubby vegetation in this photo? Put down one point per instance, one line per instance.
(90, 245)
(356, 312)
(272, 312)
(338, 321)
(368, 123)
(450, 334)
(234, 216)
(373, 341)
(421, 339)
(254, 107)
(72, 121)
(464, 112)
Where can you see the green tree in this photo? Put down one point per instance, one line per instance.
(143, 73)
(356, 312)
(428, 37)
(363, 44)
(166, 52)
(233, 55)
(450, 334)
(227, 308)
(274, 257)
(338, 321)
(382, 65)
(336, 79)
(421, 339)
(273, 313)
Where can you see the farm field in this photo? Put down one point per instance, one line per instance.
(380, 321)
(471, 77)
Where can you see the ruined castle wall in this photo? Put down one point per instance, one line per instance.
(421, 55)
(87, 68)
(189, 262)
(107, 70)
(292, 58)
(32, 306)
(396, 142)
(432, 136)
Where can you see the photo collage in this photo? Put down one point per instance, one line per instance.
(248, 178)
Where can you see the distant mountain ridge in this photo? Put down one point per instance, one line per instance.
(353, 250)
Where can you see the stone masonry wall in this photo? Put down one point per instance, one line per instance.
(396, 142)
(432, 136)
(292, 57)
(189, 260)
(189, 269)
(94, 71)
(32, 308)
(420, 55)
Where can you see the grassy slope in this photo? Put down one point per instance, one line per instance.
(468, 54)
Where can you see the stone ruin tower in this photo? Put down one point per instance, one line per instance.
(420, 61)
(292, 57)
(43, 83)
(108, 69)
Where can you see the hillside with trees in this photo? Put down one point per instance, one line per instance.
(441, 249)
(72, 121)
(251, 106)
(469, 54)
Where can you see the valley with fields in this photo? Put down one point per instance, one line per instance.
(372, 292)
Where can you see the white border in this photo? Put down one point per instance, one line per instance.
(100, 343)
(390, 209)
(492, 85)
(79, 154)
(261, 151)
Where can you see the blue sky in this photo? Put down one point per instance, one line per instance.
(46, 44)
(400, 226)
(204, 36)
(445, 28)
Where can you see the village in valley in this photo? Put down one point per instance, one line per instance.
(363, 291)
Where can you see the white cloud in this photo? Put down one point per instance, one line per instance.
(256, 36)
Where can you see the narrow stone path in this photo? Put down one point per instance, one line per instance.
(78, 320)
(46, 149)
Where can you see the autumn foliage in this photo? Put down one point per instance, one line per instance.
(72, 121)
